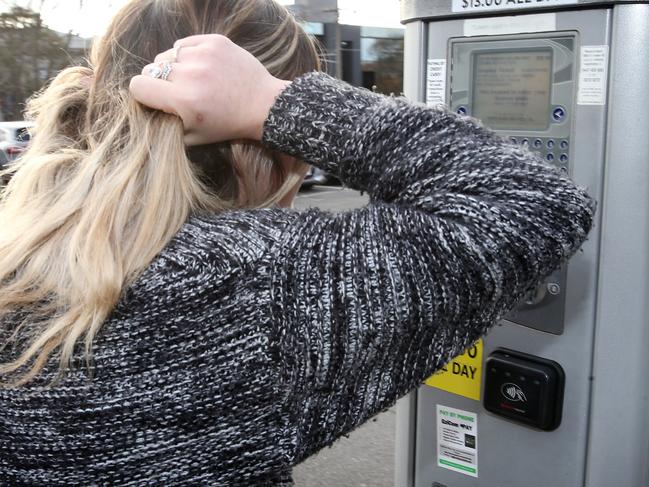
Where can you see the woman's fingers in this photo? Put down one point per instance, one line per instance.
(193, 41)
(170, 56)
(193, 139)
(154, 93)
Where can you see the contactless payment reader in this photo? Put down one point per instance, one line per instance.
(524, 388)
(556, 394)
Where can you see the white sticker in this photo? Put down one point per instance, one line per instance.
(457, 440)
(510, 24)
(489, 5)
(593, 75)
(436, 82)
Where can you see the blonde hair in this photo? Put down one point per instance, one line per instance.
(106, 182)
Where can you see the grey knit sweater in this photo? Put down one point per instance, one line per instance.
(257, 338)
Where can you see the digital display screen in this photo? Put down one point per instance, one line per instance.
(512, 89)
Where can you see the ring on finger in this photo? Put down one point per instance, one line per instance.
(167, 68)
(161, 71)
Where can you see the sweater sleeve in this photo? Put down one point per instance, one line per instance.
(368, 303)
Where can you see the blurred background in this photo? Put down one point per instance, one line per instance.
(363, 41)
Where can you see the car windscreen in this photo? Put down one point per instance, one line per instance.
(22, 135)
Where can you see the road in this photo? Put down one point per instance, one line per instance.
(366, 457)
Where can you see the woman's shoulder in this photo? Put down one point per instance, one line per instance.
(214, 247)
(239, 235)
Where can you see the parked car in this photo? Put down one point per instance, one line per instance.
(317, 176)
(14, 139)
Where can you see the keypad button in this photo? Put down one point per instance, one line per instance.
(550, 157)
(538, 143)
(514, 140)
(551, 144)
(563, 158)
(525, 142)
(558, 114)
(564, 144)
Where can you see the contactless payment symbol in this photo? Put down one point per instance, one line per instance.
(513, 392)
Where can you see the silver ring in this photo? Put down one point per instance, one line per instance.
(167, 68)
(162, 71)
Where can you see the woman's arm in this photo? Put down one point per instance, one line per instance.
(369, 303)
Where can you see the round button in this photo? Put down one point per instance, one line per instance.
(564, 170)
(462, 110)
(550, 157)
(514, 140)
(564, 144)
(525, 142)
(558, 114)
(538, 143)
(554, 289)
(551, 144)
(563, 158)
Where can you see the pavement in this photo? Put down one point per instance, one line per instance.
(366, 457)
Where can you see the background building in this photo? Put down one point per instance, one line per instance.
(371, 57)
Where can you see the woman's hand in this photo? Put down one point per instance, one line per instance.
(219, 90)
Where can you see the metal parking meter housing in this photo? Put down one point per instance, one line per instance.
(597, 327)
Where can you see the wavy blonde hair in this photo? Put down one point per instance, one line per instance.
(106, 182)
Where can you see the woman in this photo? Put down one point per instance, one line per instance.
(157, 332)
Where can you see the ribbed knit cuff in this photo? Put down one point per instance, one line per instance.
(316, 119)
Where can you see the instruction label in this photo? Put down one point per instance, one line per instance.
(436, 82)
(593, 75)
(489, 5)
(457, 440)
(462, 375)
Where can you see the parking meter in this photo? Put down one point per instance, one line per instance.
(557, 394)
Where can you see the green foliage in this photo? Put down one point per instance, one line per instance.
(30, 54)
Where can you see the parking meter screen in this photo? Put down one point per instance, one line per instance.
(511, 89)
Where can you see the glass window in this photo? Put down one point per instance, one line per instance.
(22, 135)
(382, 61)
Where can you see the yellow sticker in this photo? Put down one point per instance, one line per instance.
(462, 375)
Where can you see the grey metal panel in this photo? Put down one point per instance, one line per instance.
(545, 312)
(406, 434)
(511, 455)
(430, 9)
(619, 439)
(414, 61)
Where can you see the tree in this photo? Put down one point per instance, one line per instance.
(30, 54)
(387, 67)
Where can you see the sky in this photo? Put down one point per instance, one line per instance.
(65, 15)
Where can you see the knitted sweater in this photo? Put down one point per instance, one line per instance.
(257, 338)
